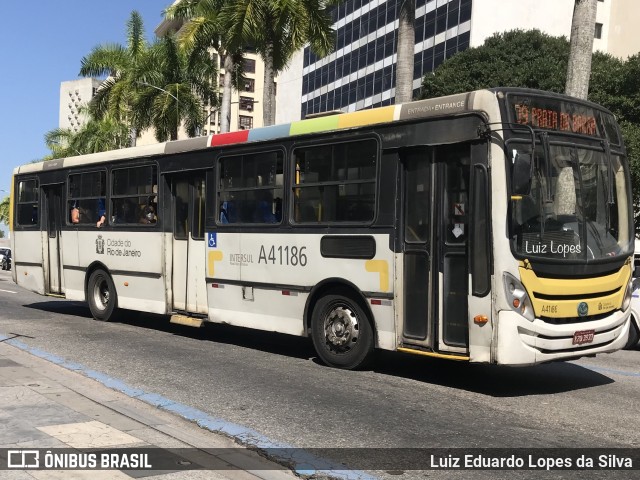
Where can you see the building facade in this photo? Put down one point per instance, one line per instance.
(246, 109)
(361, 72)
(74, 95)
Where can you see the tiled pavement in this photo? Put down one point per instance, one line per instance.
(43, 405)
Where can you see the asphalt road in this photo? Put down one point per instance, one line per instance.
(275, 385)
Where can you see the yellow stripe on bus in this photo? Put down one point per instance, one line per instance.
(459, 358)
(213, 257)
(381, 267)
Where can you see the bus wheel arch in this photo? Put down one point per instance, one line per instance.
(341, 325)
(634, 334)
(100, 292)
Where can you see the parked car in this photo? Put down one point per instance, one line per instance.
(634, 331)
(5, 258)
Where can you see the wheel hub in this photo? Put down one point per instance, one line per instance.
(341, 327)
(102, 294)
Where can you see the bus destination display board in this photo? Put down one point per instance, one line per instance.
(554, 114)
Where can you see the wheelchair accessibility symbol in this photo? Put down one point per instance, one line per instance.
(212, 239)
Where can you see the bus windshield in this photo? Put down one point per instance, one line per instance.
(577, 209)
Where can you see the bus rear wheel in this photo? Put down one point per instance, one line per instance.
(341, 331)
(102, 296)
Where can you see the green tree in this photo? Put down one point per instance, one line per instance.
(4, 210)
(97, 135)
(203, 30)
(173, 88)
(121, 67)
(150, 85)
(511, 59)
(277, 29)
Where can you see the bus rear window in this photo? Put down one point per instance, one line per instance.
(27, 204)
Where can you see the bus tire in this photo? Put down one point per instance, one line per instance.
(101, 295)
(341, 332)
(634, 336)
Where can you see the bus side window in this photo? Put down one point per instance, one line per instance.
(228, 212)
(308, 213)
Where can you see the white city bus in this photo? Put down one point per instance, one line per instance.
(491, 226)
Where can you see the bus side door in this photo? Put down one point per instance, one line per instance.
(435, 249)
(53, 216)
(188, 272)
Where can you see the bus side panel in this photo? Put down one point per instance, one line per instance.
(278, 270)
(259, 308)
(134, 260)
(480, 334)
(28, 260)
(73, 276)
(140, 293)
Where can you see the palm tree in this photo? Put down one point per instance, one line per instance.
(277, 28)
(97, 135)
(204, 30)
(582, 33)
(173, 88)
(120, 65)
(406, 43)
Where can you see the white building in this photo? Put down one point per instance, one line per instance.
(361, 72)
(75, 94)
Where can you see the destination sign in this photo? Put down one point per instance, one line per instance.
(553, 114)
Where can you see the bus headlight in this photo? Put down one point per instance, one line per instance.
(517, 297)
(627, 295)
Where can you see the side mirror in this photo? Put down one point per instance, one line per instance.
(521, 175)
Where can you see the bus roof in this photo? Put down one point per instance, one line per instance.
(433, 107)
(441, 106)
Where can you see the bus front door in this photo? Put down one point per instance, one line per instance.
(53, 209)
(435, 280)
(188, 277)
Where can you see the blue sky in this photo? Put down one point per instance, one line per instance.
(41, 45)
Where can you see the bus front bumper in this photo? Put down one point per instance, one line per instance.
(521, 342)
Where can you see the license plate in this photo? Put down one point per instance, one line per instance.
(583, 336)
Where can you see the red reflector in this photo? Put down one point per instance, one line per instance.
(376, 302)
(214, 285)
(286, 292)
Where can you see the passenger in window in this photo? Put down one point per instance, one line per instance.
(74, 214)
(224, 215)
(125, 212)
(149, 213)
(102, 212)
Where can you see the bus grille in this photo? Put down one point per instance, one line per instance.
(570, 320)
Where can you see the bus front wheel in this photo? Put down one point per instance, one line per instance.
(634, 336)
(102, 297)
(341, 331)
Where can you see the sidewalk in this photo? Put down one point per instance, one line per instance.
(43, 405)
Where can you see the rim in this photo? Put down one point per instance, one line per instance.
(341, 328)
(101, 293)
